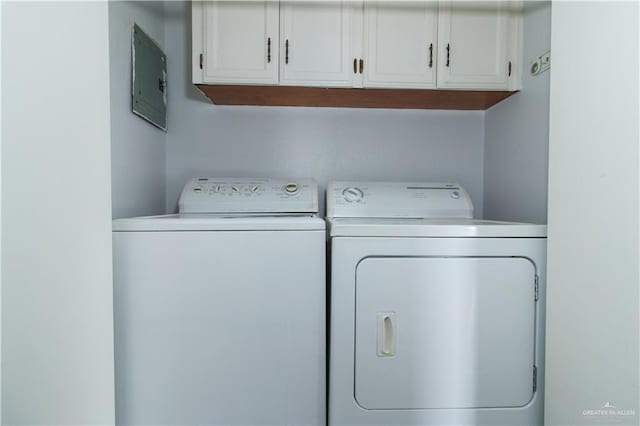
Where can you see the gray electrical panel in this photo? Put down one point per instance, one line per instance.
(149, 79)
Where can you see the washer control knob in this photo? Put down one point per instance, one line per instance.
(235, 189)
(197, 189)
(291, 188)
(455, 195)
(352, 194)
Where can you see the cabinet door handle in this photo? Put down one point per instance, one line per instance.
(361, 65)
(430, 55)
(355, 66)
(286, 51)
(448, 53)
(269, 50)
(509, 68)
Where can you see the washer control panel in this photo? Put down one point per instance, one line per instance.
(249, 195)
(398, 200)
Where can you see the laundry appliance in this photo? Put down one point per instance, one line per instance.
(220, 309)
(436, 318)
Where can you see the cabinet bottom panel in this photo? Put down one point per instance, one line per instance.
(352, 98)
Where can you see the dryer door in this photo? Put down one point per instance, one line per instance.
(436, 332)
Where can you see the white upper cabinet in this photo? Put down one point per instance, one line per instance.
(239, 41)
(316, 43)
(414, 44)
(474, 45)
(400, 44)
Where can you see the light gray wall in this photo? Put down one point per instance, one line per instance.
(516, 134)
(137, 147)
(593, 289)
(326, 144)
(57, 327)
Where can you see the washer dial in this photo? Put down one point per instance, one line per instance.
(291, 188)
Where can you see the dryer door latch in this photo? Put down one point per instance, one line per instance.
(386, 334)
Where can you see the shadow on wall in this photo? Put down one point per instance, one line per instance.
(516, 134)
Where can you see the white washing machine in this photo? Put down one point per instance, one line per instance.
(436, 318)
(220, 310)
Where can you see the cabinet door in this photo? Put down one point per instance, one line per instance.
(400, 44)
(316, 43)
(240, 42)
(473, 45)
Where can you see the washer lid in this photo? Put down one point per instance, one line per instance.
(207, 222)
(435, 228)
(398, 200)
(249, 196)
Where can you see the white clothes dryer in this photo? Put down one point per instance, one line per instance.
(220, 309)
(436, 318)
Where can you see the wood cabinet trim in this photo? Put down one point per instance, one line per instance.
(352, 98)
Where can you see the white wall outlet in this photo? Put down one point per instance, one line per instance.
(541, 63)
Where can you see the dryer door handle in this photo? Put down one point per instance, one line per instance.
(386, 334)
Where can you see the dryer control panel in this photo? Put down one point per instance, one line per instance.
(417, 200)
(249, 196)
